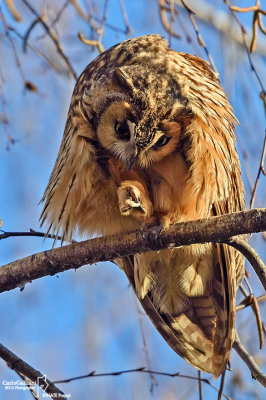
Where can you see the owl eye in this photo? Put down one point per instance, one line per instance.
(162, 141)
(122, 130)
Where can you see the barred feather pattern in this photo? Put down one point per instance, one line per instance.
(187, 292)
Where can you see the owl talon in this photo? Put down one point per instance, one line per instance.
(151, 234)
(133, 202)
(142, 233)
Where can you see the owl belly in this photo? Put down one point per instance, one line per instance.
(172, 191)
(174, 275)
(98, 212)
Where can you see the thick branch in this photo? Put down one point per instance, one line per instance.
(215, 229)
(37, 377)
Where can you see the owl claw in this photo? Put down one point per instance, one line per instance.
(132, 202)
(150, 233)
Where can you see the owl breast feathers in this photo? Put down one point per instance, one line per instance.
(149, 139)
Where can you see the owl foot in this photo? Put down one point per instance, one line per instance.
(155, 225)
(150, 233)
(133, 201)
(151, 230)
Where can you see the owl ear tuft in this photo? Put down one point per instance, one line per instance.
(123, 79)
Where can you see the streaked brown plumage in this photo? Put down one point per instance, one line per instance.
(149, 137)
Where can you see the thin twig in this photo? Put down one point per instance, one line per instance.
(54, 39)
(199, 37)
(145, 348)
(251, 255)
(262, 28)
(254, 32)
(210, 13)
(261, 170)
(243, 32)
(6, 235)
(221, 388)
(245, 9)
(37, 377)
(163, 9)
(60, 13)
(93, 25)
(4, 117)
(35, 50)
(256, 308)
(13, 11)
(27, 84)
(257, 21)
(246, 303)
(125, 17)
(251, 299)
(17, 61)
(89, 42)
(249, 361)
(200, 385)
(27, 34)
(83, 15)
(106, 2)
(93, 374)
(32, 391)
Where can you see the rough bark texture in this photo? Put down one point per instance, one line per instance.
(215, 229)
(20, 366)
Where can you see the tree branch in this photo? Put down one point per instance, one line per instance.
(94, 374)
(221, 20)
(32, 391)
(251, 255)
(31, 232)
(215, 229)
(261, 170)
(247, 302)
(249, 361)
(53, 38)
(36, 377)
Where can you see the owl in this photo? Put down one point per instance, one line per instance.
(149, 139)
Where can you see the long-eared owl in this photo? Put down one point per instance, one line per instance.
(149, 139)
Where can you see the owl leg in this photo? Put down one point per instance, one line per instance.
(133, 200)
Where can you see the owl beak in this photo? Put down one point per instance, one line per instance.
(130, 161)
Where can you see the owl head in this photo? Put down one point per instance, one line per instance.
(133, 125)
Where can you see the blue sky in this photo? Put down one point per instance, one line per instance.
(86, 320)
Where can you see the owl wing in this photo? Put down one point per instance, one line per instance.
(231, 264)
(203, 335)
(184, 332)
(180, 332)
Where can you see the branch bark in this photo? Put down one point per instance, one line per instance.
(215, 229)
(250, 254)
(21, 367)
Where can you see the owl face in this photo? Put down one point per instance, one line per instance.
(134, 135)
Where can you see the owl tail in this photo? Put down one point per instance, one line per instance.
(204, 334)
